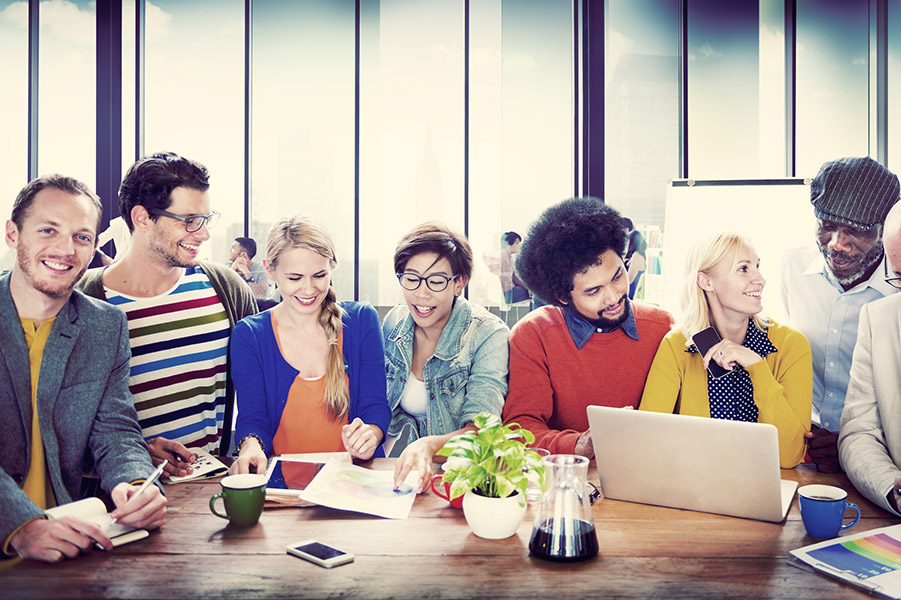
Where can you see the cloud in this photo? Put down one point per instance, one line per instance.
(707, 51)
(63, 20)
(157, 26)
(859, 61)
(16, 14)
(618, 45)
(158, 22)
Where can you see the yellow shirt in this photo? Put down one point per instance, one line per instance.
(37, 484)
(783, 384)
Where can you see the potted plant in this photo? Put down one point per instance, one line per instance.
(491, 468)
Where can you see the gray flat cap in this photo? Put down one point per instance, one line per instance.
(854, 191)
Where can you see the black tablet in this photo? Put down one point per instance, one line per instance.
(287, 477)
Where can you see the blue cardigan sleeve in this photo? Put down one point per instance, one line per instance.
(364, 353)
(250, 381)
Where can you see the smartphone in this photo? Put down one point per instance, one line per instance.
(319, 553)
(704, 341)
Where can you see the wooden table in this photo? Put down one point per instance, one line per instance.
(646, 551)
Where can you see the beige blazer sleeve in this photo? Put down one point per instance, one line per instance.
(870, 440)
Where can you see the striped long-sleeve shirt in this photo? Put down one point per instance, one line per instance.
(179, 346)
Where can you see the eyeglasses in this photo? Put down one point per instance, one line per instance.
(192, 222)
(895, 282)
(436, 283)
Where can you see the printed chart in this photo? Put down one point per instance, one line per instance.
(870, 560)
(349, 487)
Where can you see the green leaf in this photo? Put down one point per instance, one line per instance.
(492, 460)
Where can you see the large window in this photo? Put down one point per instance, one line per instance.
(832, 82)
(723, 80)
(428, 116)
(411, 136)
(894, 85)
(521, 124)
(66, 102)
(195, 99)
(642, 101)
(303, 122)
(13, 110)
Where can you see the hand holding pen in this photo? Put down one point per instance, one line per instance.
(141, 506)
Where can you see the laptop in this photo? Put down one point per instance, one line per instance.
(695, 463)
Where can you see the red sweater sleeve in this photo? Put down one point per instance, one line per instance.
(530, 398)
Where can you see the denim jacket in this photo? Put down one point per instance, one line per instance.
(466, 375)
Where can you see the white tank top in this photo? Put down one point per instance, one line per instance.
(414, 400)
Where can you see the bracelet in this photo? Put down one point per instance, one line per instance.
(245, 438)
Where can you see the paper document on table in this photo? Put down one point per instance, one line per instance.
(205, 466)
(349, 487)
(870, 560)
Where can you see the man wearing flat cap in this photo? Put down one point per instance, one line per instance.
(824, 287)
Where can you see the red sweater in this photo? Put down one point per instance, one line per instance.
(552, 382)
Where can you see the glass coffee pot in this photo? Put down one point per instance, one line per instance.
(564, 526)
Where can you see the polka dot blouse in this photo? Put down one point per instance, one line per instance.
(732, 395)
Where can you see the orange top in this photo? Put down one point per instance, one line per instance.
(306, 425)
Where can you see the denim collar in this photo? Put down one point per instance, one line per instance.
(451, 340)
(581, 329)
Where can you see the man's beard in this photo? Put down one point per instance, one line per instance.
(23, 257)
(169, 258)
(606, 324)
(872, 256)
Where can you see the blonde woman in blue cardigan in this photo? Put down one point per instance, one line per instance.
(769, 375)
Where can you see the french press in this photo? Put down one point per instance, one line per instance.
(564, 526)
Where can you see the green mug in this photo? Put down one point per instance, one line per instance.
(244, 496)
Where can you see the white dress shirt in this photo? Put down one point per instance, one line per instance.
(827, 315)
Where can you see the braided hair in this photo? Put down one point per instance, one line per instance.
(303, 232)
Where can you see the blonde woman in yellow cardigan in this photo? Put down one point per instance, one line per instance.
(769, 377)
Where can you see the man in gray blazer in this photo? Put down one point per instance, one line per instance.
(63, 382)
(870, 440)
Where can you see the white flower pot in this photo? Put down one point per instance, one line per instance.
(493, 518)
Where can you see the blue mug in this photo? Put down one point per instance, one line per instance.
(823, 509)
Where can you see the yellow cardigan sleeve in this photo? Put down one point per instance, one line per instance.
(664, 383)
(783, 388)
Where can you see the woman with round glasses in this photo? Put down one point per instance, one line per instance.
(446, 359)
(309, 372)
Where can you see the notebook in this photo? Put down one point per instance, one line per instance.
(696, 463)
(93, 510)
(205, 467)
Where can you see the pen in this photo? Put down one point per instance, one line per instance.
(153, 477)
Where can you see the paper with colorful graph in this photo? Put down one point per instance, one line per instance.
(870, 560)
(349, 487)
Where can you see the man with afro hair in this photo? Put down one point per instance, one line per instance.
(590, 345)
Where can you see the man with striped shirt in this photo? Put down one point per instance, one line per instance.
(180, 309)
